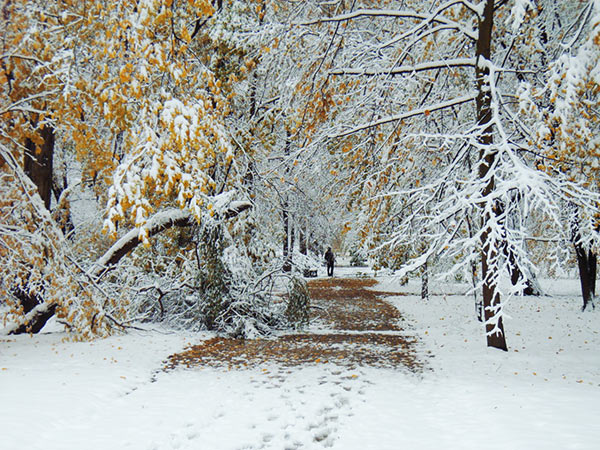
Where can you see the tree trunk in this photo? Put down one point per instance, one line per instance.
(287, 265)
(586, 261)
(302, 237)
(64, 218)
(489, 253)
(287, 231)
(35, 312)
(478, 302)
(516, 275)
(38, 165)
(35, 320)
(592, 265)
(425, 282)
(292, 234)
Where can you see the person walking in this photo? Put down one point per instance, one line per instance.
(330, 260)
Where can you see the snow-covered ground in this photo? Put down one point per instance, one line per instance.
(111, 394)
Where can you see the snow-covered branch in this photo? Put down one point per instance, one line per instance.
(367, 13)
(433, 65)
(362, 13)
(158, 223)
(28, 321)
(16, 105)
(407, 115)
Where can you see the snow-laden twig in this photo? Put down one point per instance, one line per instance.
(432, 65)
(407, 14)
(416, 112)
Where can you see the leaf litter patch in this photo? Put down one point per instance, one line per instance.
(362, 331)
(353, 307)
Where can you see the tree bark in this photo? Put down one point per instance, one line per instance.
(287, 238)
(586, 262)
(302, 237)
(592, 269)
(292, 234)
(489, 252)
(35, 311)
(478, 302)
(287, 265)
(38, 165)
(425, 282)
(35, 320)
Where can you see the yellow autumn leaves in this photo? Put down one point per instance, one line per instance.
(123, 88)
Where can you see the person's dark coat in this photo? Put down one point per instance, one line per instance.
(330, 259)
(329, 256)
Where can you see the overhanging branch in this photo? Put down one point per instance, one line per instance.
(407, 115)
(433, 65)
(433, 17)
(158, 223)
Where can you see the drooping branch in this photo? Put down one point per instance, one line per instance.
(235, 208)
(433, 65)
(39, 311)
(408, 114)
(426, 18)
(160, 222)
(33, 321)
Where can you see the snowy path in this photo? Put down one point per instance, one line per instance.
(350, 325)
(97, 403)
(277, 409)
(112, 394)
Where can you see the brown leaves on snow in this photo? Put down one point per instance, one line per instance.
(359, 329)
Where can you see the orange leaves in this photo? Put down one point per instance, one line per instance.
(172, 158)
(347, 227)
(36, 263)
(125, 73)
(185, 34)
(260, 10)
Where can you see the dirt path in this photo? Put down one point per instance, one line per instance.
(351, 326)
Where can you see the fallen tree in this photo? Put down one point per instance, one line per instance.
(37, 312)
(158, 223)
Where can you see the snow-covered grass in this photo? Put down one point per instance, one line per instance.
(541, 394)
(544, 393)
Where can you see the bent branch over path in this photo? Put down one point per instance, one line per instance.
(351, 327)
